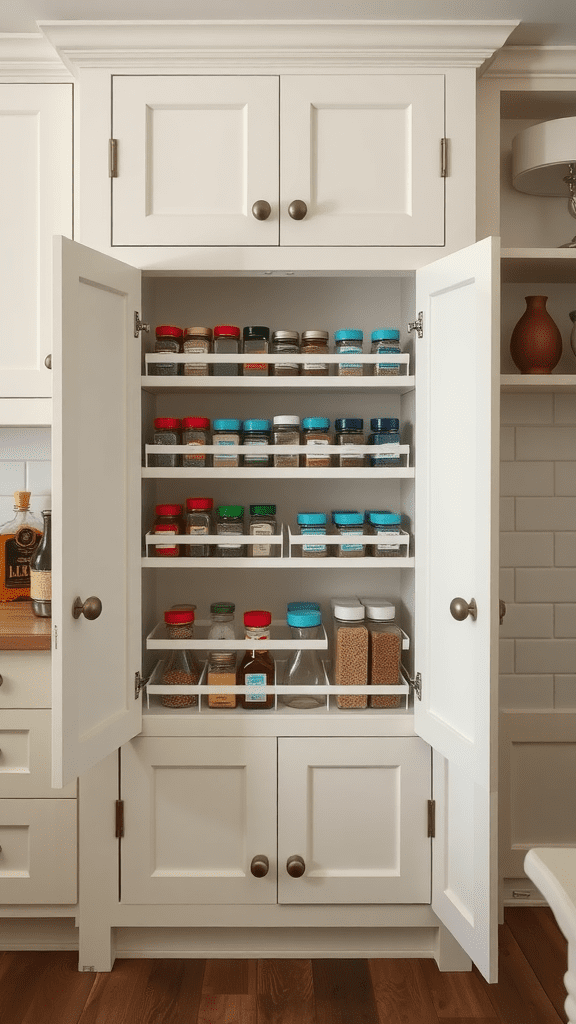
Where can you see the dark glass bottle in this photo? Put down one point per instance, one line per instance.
(257, 667)
(41, 572)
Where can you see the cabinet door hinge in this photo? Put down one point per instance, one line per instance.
(113, 158)
(416, 684)
(431, 819)
(417, 325)
(139, 325)
(139, 684)
(443, 158)
(119, 819)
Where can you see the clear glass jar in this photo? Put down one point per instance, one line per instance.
(197, 340)
(168, 521)
(350, 650)
(195, 432)
(286, 430)
(263, 524)
(385, 430)
(257, 667)
(226, 433)
(348, 342)
(229, 524)
(284, 342)
(315, 436)
(386, 342)
(349, 431)
(222, 621)
(256, 432)
(304, 667)
(226, 341)
(255, 340)
(386, 527)
(168, 339)
(167, 431)
(180, 667)
(384, 651)
(350, 524)
(221, 672)
(199, 523)
(312, 524)
(314, 343)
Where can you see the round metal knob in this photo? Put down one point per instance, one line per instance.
(48, 361)
(260, 866)
(1, 680)
(295, 866)
(298, 209)
(461, 609)
(90, 608)
(502, 610)
(261, 210)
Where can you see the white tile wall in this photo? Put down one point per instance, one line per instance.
(24, 466)
(538, 551)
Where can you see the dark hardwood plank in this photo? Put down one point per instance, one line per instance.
(227, 1009)
(518, 998)
(545, 948)
(147, 992)
(42, 986)
(230, 977)
(458, 994)
(343, 992)
(401, 993)
(285, 992)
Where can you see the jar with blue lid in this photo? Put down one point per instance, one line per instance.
(304, 667)
(294, 606)
(315, 436)
(226, 432)
(386, 341)
(349, 431)
(385, 430)
(256, 432)
(312, 524)
(348, 342)
(350, 524)
(385, 526)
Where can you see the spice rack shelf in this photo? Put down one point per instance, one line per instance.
(185, 385)
(188, 540)
(401, 538)
(400, 451)
(281, 640)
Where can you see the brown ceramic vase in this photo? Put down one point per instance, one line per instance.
(536, 343)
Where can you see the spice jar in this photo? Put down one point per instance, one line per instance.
(226, 340)
(199, 523)
(230, 524)
(226, 433)
(196, 340)
(168, 521)
(255, 340)
(386, 342)
(257, 667)
(167, 431)
(312, 524)
(315, 436)
(349, 342)
(350, 524)
(195, 431)
(168, 339)
(263, 524)
(286, 430)
(384, 650)
(221, 672)
(385, 430)
(386, 526)
(304, 667)
(349, 431)
(181, 667)
(283, 342)
(256, 432)
(350, 650)
(314, 343)
(222, 621)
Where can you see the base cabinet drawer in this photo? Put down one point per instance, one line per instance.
(25, 755)
(25, 679)
(38, 855)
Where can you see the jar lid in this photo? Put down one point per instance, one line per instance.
(228, 329)
(199, 503)
(222, 658)
(165, 528)
(178, 617)
(230, 511)
(376, 608)
(168, 331)
(343, 511)
(222, 608)
(294, 606)
(350, 609)
(316, 423)
(167, 422)
(168, 510)
(348, 423)
(201, 422)
(285, 336)
(183, 607)
(197, 332)
(287, 421)
(315, 335)
(262, 510)
(256, 425)
(384, 424)
(304, 617)
(256, 332)
(227, 424)
(348, 518)
(312, 519)
(385, 335)
(348, 335)
(257, 618)
(384, 518)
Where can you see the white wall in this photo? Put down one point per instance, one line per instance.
(24, 466)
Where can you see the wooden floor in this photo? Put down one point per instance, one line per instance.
(46, 988)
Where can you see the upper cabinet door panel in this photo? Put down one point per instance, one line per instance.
(194, 155)
(363, 152)
(35, 204)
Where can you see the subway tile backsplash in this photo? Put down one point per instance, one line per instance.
(24, 466)
(538, 551)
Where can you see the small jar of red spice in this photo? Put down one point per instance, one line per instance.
(168, 522)
(168, 339)
(196, 432)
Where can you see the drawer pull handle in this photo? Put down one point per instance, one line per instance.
(460, 609)
(260, 866)
(295, 866)
(90, 608)
(298, 209)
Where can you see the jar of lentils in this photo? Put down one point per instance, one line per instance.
(195, 432)
(348, 342)
(350, 650)
(168, 339)
(314, 343)
(180, 667)
(284, 342)
(197, 341)
(167, 432)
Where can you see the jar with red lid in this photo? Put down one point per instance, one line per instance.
(168, 339)
(226, 340)
(167, 431)
(257, 666)
(199, 523)
(195, 431)
(196, 340)
(180, 667)
(169, 523)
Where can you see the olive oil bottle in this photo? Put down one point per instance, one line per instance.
(18, 541)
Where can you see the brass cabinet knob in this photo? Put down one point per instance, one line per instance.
(260, 866)
(298, 209)
(261, 210)
(48, 362)
(90, 608)
(502, 610)
(295, 866)
(461, 609)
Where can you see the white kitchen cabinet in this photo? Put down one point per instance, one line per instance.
(38, 853)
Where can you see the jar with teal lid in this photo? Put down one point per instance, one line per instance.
(316, 435)
(312, 524)
(256, 432)
(350, 525)
(263, 524)
(385, 526)
(349, 431)
(294, 606)
(230, 525)
(225, 433)
(385, 430)
(349, 341)
(304, 667)
(386, 341)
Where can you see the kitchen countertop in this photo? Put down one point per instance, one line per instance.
(21, 630)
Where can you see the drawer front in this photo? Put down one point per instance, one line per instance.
(25, 755)
(38, 851)
(25, 679)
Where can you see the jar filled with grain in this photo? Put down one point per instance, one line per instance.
(348, 342)
(226, 341)
(314, 343)
(262, 524)
(387, 342)
(315, 437)
(350, 525)
(284, 342)
(384, 650)
(226, 433)
(350, 650)
(195, 432)
(197, 341)
(168, 339)
(349, 431)
(255, 340)
(312, 524)
(167, 431)
(386, 527)
(180, 667)
(169, 523)
(199, 523)
(221, 672)
(286, 430)
(385, 430)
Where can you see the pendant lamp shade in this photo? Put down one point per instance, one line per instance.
(541, 155)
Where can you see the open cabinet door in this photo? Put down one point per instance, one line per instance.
(457, 428)
(96, 507)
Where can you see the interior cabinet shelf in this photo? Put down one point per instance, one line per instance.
(539, 265)
(224, 385)
(525, 383)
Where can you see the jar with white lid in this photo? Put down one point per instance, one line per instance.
(384, 650)
(285, 430)
(349, 650)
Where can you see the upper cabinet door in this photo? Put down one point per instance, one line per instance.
(35, 204)
(363, 153)
(96, 507)
(456, 523)
(195, 154)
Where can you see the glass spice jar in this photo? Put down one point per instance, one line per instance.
(257, 667)
(384, 650)
(196, 340)
(168, 521)
(348, 342)
(385, 430)
(230, 524)
(221, 672)
(256, 432)
(349, 431)
(167, 431)
(315, 436)
(284, 342)
(226, 341)
(199, 523)
(195, 432)
(181, 667)
(350, 524)
(255, 340)
(312, 524)
(350, 650)
(386, 527)
(387, 342)
(304, 667)
(222, 621)
(263, 524)
(226, 433)
(285, 430)
(314, 343)
(168, 339)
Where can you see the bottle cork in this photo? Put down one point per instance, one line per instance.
(22, 499)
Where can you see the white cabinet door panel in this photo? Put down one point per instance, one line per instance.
(194, 154)
(38, 859)
(25, 679)
(363, 152)
(25, 761)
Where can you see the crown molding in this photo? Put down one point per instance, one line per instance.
(281, 45)
(29, 57)
(536, 61)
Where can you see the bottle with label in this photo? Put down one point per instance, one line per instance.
(257, 667)
(41, 571)
(18, 541)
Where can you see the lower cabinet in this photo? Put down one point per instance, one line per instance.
(38, 851)
(335, 820)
